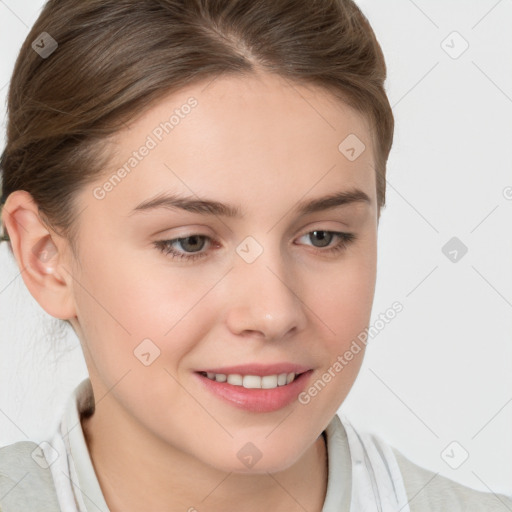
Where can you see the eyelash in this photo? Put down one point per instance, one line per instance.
(165, 246)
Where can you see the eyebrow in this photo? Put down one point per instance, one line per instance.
(206, 206)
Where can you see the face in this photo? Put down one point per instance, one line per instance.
(164, 292)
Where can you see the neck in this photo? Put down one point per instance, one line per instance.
(152, 475)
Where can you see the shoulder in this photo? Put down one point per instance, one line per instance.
(411, 487)
(26, 482)
(429, 491)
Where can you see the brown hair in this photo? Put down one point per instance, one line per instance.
(116, 57)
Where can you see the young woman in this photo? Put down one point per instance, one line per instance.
(196, 186)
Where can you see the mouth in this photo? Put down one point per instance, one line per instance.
(255, 393)
(253, 381)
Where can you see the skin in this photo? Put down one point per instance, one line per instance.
(262, 144)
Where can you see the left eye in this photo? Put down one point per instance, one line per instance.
(196, 243)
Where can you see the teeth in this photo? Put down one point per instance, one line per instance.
(235, 379)
(254, 381)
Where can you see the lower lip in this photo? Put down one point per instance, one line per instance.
(257, 400)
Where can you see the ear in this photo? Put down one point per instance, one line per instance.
(40, 254)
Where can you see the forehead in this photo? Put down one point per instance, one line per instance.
(255, 134)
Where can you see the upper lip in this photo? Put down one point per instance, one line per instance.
(259, 369)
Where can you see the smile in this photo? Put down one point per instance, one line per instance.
(253, 381)
(255, 393)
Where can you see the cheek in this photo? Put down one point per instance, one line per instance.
(124, 302)
(344, 305)
(343, 296)
(137, 326)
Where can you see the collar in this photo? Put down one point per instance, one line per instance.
(87, 491)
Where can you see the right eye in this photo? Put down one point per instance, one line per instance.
(195, 242)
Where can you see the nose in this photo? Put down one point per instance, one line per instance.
(264, 298)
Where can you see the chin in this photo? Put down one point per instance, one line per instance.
(250, 460)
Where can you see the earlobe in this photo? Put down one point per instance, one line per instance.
(39, 256)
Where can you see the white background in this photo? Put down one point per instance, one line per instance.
(441, 371)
